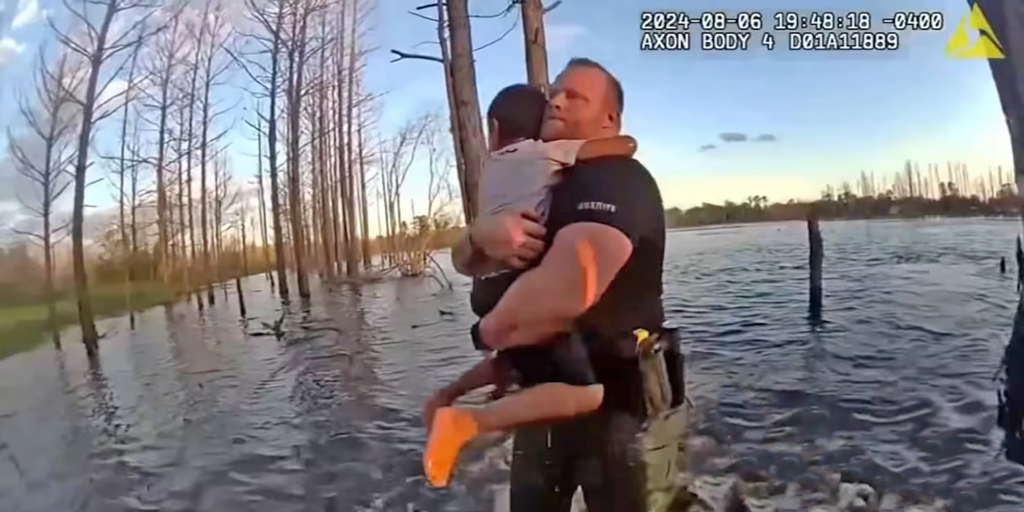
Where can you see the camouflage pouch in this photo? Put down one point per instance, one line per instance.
(657, 388)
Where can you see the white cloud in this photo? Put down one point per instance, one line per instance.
(9, 49)
(115, 88)
(28, 13)
(559, 36)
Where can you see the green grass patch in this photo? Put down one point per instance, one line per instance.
(24, 327)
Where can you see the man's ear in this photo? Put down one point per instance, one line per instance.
(613, 119)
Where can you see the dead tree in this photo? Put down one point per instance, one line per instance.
(190, 139)
(351, 250)
(396, 158)
(455, 39)
(536, 48)
(42, 156)
(418, 243)
(467, 103)
(343, 231)
(97, 47)
(265, 76)
(180, 158)
(297, 51)
(121, 171)
(326, 188)
(163, 70)
(262, 196)
(224, 198)
(137, 196)
(213, 70)
(364, 202)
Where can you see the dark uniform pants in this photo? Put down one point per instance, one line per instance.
(621, 464)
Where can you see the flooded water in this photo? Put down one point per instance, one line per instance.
(205, 412)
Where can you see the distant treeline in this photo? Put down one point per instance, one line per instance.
(912, 194)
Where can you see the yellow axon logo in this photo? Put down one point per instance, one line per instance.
(985, 46)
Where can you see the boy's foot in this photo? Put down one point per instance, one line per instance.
(451, 429)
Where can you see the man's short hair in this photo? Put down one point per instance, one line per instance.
(618, 95)
(519, 112)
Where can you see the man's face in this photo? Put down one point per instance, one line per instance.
(579, 106)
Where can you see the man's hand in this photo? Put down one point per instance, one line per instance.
(514, 237)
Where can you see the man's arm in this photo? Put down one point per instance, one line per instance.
(583, 260)
(610, 201)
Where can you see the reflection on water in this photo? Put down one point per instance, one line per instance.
(201, 411)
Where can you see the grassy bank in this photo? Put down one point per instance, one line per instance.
(24, 327)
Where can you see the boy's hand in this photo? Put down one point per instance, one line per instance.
(440, 398)
(514, 237)
(503, 378)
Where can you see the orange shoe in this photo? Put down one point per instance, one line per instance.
(451, 430)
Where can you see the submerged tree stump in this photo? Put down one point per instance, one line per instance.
(817, 254)
(241, 297)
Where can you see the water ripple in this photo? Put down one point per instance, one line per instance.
(198, 411)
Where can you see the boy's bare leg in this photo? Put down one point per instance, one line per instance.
(548, 401)
(453, 427)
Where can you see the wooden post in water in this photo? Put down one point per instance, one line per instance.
(241, 298)
(817, 254)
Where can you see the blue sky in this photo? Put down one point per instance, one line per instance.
(833, 114)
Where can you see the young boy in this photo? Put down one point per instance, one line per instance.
(556, 377)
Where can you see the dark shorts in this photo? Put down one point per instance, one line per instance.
(622, 464)
(625, 457)
(562, 360)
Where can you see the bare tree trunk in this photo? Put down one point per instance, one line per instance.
(324, 188)
(133, 226)
(48, 122)
(215, 224)
(184, 259)
(122, 170)
(204, 144)
(351, 250)
(188, 160)
(296, 64)
(262, 199)
(536, 50)
(97, 55)
(381, 237)
(453, 117)
(316, 193)
(48, 288)
(340, 151)
(161, 186)
(364, 203)
(467, 104)
(333, 159)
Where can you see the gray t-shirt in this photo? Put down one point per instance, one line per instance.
(520, 175)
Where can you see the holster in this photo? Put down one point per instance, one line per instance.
(662, 368)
